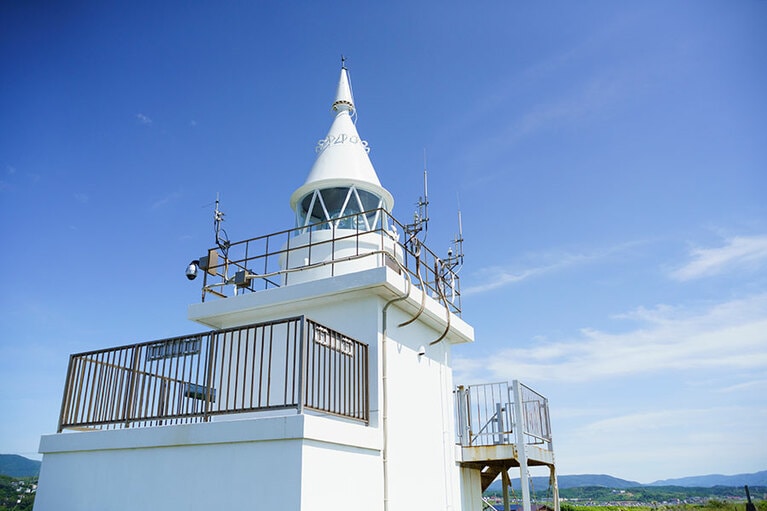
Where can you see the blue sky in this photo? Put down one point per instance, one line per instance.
(610, 160)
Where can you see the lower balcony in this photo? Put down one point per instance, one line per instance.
(269, 367)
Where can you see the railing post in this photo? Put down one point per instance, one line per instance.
(469, 421)
(266, 262)
(287, 259)
(547, 423)
(209, 364)
(366, 383)
(499, 426)
(67, 397)
(462, 410)
(333, 249)
(302, 356)
(519, 430)
(131, 390)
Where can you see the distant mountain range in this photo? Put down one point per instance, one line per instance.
(755, 479)
(18, 466)
(606, 481)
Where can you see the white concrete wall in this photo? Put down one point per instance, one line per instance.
(423, 473)
(286, 463)
(340, 478)
(212, 471)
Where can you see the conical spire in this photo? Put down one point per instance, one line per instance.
(344, 99)
(342, 156)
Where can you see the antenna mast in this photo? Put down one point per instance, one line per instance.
(421, 215)
(222, 239)
(454, 261)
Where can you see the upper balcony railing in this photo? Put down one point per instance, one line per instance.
(493, 414)
(327, 249)
(290, 363)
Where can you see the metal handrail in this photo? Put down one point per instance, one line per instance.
(489, 504)
(289, 363)
(484, 415)
(259, 262)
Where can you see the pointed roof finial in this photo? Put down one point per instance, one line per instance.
(344, 99)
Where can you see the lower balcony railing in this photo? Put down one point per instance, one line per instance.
(493, 414)
(290, 363)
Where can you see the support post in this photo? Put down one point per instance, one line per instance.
(505, 482)
(519, 432)
(554, 486)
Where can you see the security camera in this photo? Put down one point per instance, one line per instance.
(191, 270)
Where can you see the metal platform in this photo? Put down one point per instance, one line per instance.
(502, 426)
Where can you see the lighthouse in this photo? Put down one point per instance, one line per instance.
(323, 380)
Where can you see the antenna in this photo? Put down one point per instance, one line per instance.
(222, 239)
(209, 262)
(454, 260)
(421, 214)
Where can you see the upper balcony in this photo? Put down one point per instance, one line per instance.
(343, 245)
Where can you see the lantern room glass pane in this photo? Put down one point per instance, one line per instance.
(317, 213)
(334, 199)
(334, 203)
(371, 202)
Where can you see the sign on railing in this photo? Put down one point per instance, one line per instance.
(341, 344)
(174, 348)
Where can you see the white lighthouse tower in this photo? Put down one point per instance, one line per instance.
(324, 384)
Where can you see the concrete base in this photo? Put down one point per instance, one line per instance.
(291, 463)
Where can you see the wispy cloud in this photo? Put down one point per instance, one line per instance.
(645, 420)
(164, 201)
(740, 252)
(645, 436)
(143, 119)
(726, 336)
(495, 277)
(758, 385)
(592, 98)
(498, 277)
(581, 104)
